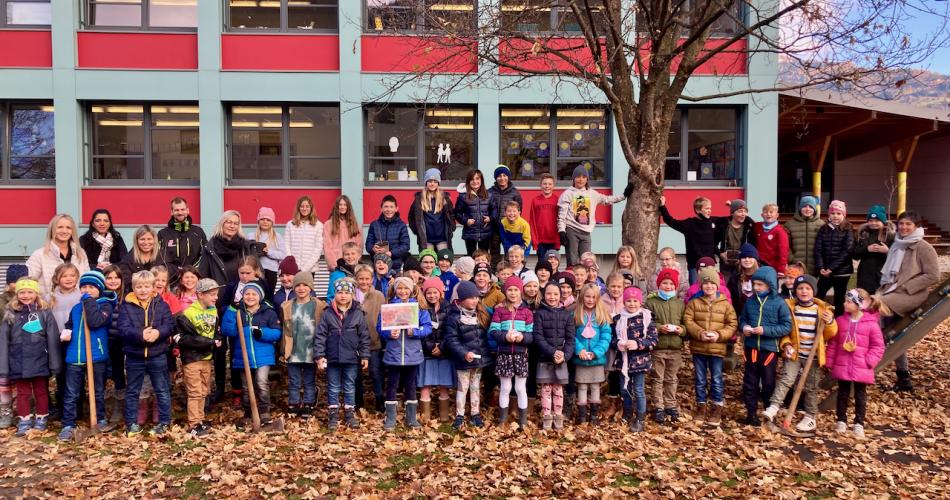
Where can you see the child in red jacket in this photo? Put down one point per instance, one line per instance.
(771, 240)
(542, 218)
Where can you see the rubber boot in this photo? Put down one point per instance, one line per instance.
(6, 415)
(444, 415)
(547, 422)
(502, 416)
(904, 382)
(118, 408)
(349, 416)
(581, 415)
(411, 408)
(333, 420)
(594, 410)
(390, 422)
(426, 411)
(523, 418)
(559, 421)
(637, 425)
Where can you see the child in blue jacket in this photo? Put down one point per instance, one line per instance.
(592, 336)
(403, 354)
(261, 330)
(95, 313)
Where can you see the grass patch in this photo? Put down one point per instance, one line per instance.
(185, 445)
(181, 470)
(806, 477)
(627, 481)
(708, 479)
(304, 482)
(730, 483)
(194, 487)
(741, 473)
(387, 484)
(821, 494)
(403, 462)
(600, 459)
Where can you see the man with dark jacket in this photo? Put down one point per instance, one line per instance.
(500, 195)
(181, 241)
(389, 234)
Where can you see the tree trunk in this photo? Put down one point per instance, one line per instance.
(641, 227)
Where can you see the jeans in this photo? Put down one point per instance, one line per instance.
(75, 383)
(693, 275)
(578, 242)
(259, 376)
(637, 386)
(157, 370)
(117, 363)
(543, 249)
(708, 366)
(341, 374)
(302, 376)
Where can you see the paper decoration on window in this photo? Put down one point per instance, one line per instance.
(527, 169)
(563, 149)
(393, 144)
(589, 167)
(444, 153)
(514, 147)
(593, 128)
(577, 141)
(530, 142)
(543, 151)
(706, 171)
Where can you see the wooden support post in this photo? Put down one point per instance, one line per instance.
(901, 192)
(902, 153)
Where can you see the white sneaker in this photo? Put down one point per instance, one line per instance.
(858, 431)
(841, 427)
(807, 424)
(770, 412)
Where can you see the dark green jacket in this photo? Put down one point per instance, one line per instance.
(667, 312)
(802, 234)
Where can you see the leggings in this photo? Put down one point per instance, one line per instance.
(38, 387)
(552, 399)
(468, 382)
(472, 245)
(406, 375)
(840, 286)
(582, 394)
(860, 401)
(504, 393)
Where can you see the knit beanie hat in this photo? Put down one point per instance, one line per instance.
(411, 264)
(466, 290)
(543, 264)
(288, 266)
(345, 285)
(808, 201)
(748, 250)
(465, 265)
(837, 206)
(705, 262)
(514, 281)
(565, 277)
(552, 253)
(428, 252)
(27, 284)
(530, 277)
(405, 281)
(444, 254)
(94, 278)
(875, 212)
(808, 280)
(254, 286)
(383, 257)
(303, 278)
(668, 274)
(708, 275)
(579, 171)
(482, 267)
(632, 292)
(15, 272)
(433, 174)
(735, 205)
(502, 169)
(794, 272)
(266, 213)
(433, 282)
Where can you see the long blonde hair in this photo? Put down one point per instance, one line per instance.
(439, 200)
(137, 254)
(78, 252)
(634, 263)
(312, 218)
(349, 218)
(601, 316)
(269, 238)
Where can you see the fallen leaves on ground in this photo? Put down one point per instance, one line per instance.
(907, 453)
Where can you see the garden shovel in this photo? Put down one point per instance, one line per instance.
(276, 426)
(81, 434)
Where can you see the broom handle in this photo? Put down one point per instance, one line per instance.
(248, 382)
(819, 330)
(90, 372)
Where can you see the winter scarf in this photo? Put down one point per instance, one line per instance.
(106, 242)
(621, 328)
(468, 317)
(895, 256)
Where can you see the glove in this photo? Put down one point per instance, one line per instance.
(627, 191)
(256, 332)
(84, 297)
(563, 236)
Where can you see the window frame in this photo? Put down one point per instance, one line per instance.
(147, 167)
(4, 24)
(741, 11)
(554, 18)
(284, 22)
(552, 139)
(740, 160)
(420, 21)
(285, 156)
(85, 25)
(6, 130)
(420, 142)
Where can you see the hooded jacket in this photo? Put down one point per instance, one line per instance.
(871, 263)
(98, 314)
(405, 350)
(395, 232)
(767, 310)
(704, 314)
(858, 365)
(25, 355)
(260, 352)
(299, 328)
(181, 245)
(417, 220)
(598, 344)
(342, 337)
(477, 208)
(135, 316)
(802, 233)
(462, 338)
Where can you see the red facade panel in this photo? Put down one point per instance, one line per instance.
(680, 201)
(408, 54)
(283, 201)
(26, 49)
(280, 52)
(35, 206)
(138, 50)
(138, 206)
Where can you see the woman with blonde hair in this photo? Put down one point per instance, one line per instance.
(430, 216)
(143, 256)
(61, 245)
(340, 228)
(304, 235)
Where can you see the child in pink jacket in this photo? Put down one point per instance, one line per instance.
(852, 355)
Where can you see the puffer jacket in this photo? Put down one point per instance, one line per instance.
(638, 360)
(667, 312)
(504, 320)
(417, 222)
(871, 263)
(98, 314)
(461, 339)
(492, 297)
(405, 349)
(26, 355)
(704, 314)
(305, 243)
(499, 198)
(767, 310)
(833, 246)
(343, 338)
(134, 316)
(821, 341)
(260, 352)
(553, 331)
(473, 207)
(802, 234)
(44, 261)
(181, 245)
(598, 345)
(858, 365)
(437, 337)
(395, 232)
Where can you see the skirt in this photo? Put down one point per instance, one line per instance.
(550, 373)
(589, 374)
(511, 365)
(436, 372)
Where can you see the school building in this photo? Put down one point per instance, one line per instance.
(238, 104)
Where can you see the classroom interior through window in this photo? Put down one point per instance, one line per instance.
(142, 14)
(283, 15)
(710, 139)
(407, 16)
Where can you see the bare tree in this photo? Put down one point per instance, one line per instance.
(639, 56)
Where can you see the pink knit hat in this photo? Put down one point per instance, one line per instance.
(514, 281)
(837, 206)
(632, 293)
(433, 282)
(266, 213)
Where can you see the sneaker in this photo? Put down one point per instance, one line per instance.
(40, 423)
(159, 430)
(477, 421)
(459, 422)
(104, 426)
(659, 416)
(198, 431)
(67, 433)
(752, 420)
(674, 415)
(770, 413)
(714, 417)
(858, 431)
(24, 426)
(841, 427)
(133, 430)
(807, 424)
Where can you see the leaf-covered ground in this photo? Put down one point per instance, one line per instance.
(907, 453)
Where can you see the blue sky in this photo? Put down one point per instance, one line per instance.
(927, 24)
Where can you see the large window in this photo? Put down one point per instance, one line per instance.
(556, 141)
(283, 15)
(420, 15)
(28, 145)
(285, 144)
(142, 14)
(155, 143)
(703, 146)
(546, 16)
(402, 142)
(25, 13)
(726, 26)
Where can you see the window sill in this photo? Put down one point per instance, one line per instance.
(25, 27)
(27, 184)
(278, 31)
(251, 184)
(139, 184)
(130, 29)
(704, 185)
